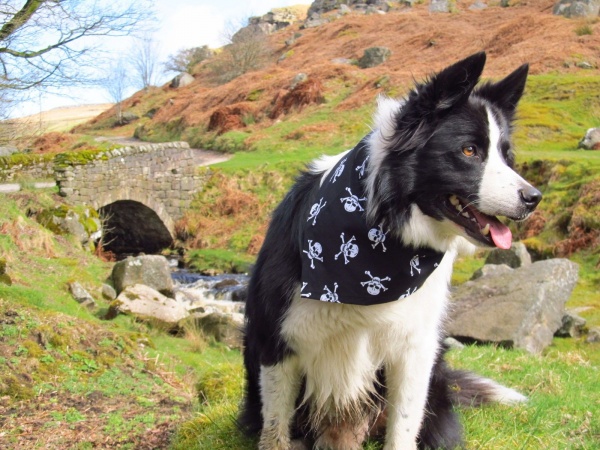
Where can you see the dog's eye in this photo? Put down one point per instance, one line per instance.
(469, 150)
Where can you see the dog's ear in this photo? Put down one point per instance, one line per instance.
(507, 92)
(452, 86)
(428, 102)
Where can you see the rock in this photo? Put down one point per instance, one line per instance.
(439, 6)
(81, 296)
(291, 41)
(8, 150)
(148, 304)
(181, 80)
(478, 6)
(150, 270)
(314, 20)
(577, 8)
(342, 61)
(452, 343)
(593, 335)
(516, 256)
(572, 325)
(225, 328)
(374, 56)
(128, 117)
(299, 78)
(9, 187)
(591, 140)
(108, 292)
(491, 270)
(72, 225)
(520, 307)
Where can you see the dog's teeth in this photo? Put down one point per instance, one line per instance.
(486, 230)
(465, 214)
(454, 200)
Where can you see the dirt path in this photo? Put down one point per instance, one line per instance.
(203, 157)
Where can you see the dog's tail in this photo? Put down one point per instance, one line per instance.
(449, 388)
(470, 389)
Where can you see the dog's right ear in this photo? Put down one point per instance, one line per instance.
(429, 101)
(452, 86)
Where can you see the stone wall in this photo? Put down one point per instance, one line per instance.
(163, 177)
(35, 171)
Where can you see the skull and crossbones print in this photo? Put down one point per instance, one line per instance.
(348, 249)
(352, 202)
(375, 284)
(314, 252)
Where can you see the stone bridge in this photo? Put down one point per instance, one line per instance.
(140, 190)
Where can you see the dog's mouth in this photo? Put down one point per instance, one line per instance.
(479, 226)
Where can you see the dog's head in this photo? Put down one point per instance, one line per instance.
(444, 154)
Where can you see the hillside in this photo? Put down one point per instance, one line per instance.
(420, 42)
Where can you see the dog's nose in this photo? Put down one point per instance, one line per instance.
(530, 196)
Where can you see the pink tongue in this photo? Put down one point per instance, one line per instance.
(501, 235)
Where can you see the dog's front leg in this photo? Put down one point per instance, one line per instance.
(280, 385)
(407, 380)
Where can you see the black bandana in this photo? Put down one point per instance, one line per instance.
(344, 260)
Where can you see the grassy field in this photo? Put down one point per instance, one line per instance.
(84, 382)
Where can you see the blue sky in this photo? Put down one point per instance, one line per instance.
(181, 24)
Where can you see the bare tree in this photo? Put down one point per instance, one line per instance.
(143, 58)
(116, 84)
(248, 50)
(185, 60)
(46, 43)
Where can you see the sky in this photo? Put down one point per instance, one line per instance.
(181, 24)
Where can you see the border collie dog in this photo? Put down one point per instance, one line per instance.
(345, 308)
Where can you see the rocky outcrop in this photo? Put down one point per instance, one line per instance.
(591, 140)
(520, 308)
(577, 8)
(181, 80)
(150, 270)
(572, 325)
(373, 57)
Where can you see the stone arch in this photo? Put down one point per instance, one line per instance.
(132, 226)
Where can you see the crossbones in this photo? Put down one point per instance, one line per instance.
(315, 210)
(348, 249)
(361, 169)
(314, 252)
(414, 264)
(329, 296)
(374, 285)
(377, 236)
(338, 171)
(352, 202)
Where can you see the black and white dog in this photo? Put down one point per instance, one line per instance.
(346, 303)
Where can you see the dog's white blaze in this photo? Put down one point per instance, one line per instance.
(339, 347)
(500, 185)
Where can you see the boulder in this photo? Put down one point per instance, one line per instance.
(572, 325)
(181, 80)
(225, 328)
(577, 8)
(591, 140)
(108, 292)
(492, 270)
(514, 257)
(521, 307)
(150, 270)
(439, 6)
(81, 296)
(148, 304)
(374, 56)
(593, 335)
